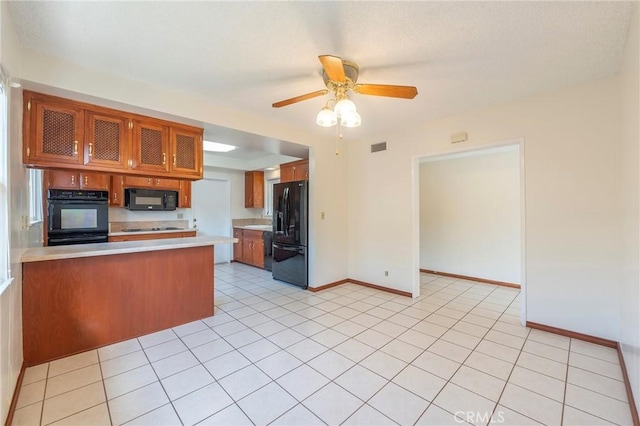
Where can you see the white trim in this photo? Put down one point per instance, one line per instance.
(5, 285)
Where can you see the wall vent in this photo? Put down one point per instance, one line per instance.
(377, 147)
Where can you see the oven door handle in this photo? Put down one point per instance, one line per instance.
(99, 238)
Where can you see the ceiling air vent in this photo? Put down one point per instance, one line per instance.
(377, 147)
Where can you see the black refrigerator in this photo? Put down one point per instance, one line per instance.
(290, 232)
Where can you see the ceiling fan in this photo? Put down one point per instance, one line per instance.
(341, 76)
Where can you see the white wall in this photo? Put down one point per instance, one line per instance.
(11, 297)
(573, 204)
(470, 215)
(236, 181)
(630, 292)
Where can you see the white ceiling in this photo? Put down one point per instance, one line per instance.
(247, 55)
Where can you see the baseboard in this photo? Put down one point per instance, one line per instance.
(379, 287)
(464, 277)
(573, 334)
(326, 286)
(598, 341)
(627, 385)
(16, 395)
(362, 283)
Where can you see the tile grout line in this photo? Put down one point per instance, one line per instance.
(104, 388)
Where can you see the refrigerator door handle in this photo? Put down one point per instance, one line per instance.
(287, 208)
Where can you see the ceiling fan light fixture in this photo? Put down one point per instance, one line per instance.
(350, 119)
(344, 106)
(326, 117)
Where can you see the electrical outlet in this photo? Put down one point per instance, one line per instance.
(386, 273)
(180, 215)
(322, 215)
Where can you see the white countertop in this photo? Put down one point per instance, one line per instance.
(256, 227)
(165, 231)
(39, 254)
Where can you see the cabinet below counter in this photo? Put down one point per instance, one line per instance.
(253, 246)
(81, 297)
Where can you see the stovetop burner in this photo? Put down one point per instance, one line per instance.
(168, 228)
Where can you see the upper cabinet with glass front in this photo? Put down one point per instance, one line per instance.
(64, 134)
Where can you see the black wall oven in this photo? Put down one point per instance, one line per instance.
(77, 217)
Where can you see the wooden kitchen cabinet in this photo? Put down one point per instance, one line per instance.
(64, 134)
(116, 195)
(53, 131)
(150, 147)
(171, 184)
(296, 170)
(237, 247)
(107, 140)
(250, 247)
(186, 151)
(254, 189)
(62, 179)
(185, 194)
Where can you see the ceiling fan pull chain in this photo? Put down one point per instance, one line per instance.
(338, 136)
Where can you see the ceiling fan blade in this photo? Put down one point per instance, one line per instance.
(334, 67)
(300, 98)
(406, 92)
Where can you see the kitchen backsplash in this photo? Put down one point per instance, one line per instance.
(120, 215)
(245, 222)
(119, 226)
(124, 215)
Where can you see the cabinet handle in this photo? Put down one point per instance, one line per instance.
(149, 181)
(86, 180)
(157, 181)
(164, 158)
(90, 150)
(115, 196)
(130, 162)
(174, 159)
(75, 147)
(73, 179)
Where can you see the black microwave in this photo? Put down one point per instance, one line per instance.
(150, 199)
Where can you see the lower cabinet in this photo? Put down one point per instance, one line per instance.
(250, 247)
(154, 236)
(237, 247)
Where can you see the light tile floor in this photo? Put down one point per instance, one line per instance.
(275, 354)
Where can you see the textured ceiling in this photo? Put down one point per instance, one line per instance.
(247, 55)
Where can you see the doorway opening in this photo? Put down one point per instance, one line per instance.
(469, 215)
(211, 208)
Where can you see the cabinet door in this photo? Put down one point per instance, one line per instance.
(287, 173)
(62, 179)
(185, 194)
(166, 183)
(254, 189)
(237, 247)
(257, 252)
(106, 139)
(301, 171)
(186, 152)
(96, 181)
(150, 147)
(116, 198)
(138, 182)
(56, 133)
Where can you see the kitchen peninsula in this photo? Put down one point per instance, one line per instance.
(81, 297)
